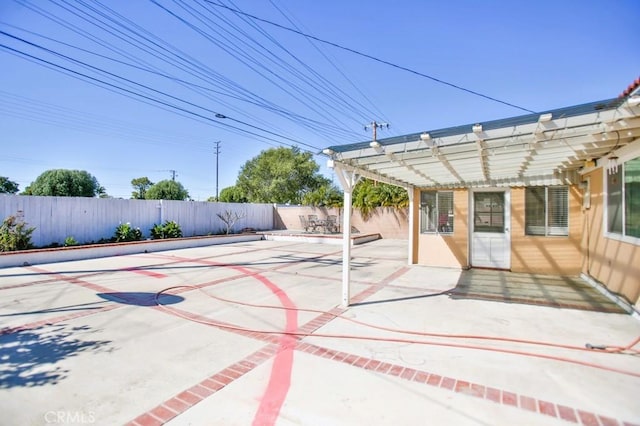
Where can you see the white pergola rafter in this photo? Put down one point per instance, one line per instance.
(545, 149)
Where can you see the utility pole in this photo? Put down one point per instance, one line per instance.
(173, 175)
(374, 126)
(217, 152)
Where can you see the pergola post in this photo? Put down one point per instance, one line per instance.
(346, 250)
(412, 236)
(348, 180)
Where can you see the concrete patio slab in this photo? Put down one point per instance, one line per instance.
(252, 333)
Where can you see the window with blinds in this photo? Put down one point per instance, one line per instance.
(546, 210)
(436, 212)
(623, 199)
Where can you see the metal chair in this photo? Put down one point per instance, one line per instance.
(304, 222)
(331, 224)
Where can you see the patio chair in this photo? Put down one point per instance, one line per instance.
(304, 222)
(331, 224)
(313, 221)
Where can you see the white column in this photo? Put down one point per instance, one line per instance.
(411, 242)
(346, 250)
(348, 180)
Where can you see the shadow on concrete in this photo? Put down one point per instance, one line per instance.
(141, 299)
(531, 289)
(68, 308)
(28, 358)
(401, 299)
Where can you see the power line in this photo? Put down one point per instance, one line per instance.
(56, 115)
(118, 77)
(116, 25)
(373, 58)
(333, 64)
(147, 46)
(247, 59)
(183, 61)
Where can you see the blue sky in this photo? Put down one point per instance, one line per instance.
(276, 87)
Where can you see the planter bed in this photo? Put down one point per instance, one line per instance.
(64, 254)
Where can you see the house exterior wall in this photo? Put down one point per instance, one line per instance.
(532, 254)
(614, 263)
(557, 255)
(447, 250)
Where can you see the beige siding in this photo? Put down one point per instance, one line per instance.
(546, 255)
(614, 263)
(447, 250)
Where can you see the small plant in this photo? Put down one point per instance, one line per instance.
(125, 232)
(15, 235)
(70, 241)
(170, 229)
(230, 218)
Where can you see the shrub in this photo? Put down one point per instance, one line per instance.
(230, 218)
(170, 229)
(70, 241)
(15, 235)
(125, 232)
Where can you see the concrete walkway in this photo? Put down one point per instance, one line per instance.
(85, 342)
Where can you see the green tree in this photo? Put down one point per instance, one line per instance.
(7, 186)
(102, 192)
(65, 183)
(167, 190)
(279, 175)
(141, 185)
(367, 195)
(327, 195)
(232, 194)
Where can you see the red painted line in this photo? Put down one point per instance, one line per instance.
(280, 379)
(145, 272)
(70, 279)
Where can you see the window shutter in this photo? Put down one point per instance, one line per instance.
(558, 202)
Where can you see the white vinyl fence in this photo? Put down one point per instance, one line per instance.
(92, 219)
